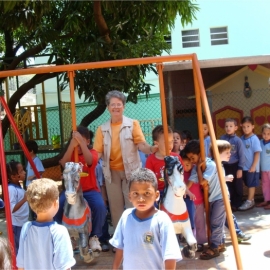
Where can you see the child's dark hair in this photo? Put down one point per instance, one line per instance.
(84, 131)
(12, 168)
(143, 175)
(32, 146)
(247, 119)
(222, 146)
(158, 130)
(91, 135)
(193, 147)
(231, 120)
(183, 155)
(186, 135)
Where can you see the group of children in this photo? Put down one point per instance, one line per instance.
(154, 232)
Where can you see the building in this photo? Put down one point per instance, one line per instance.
(232, 44)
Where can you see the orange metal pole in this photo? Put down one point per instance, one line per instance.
(202, 151)
(218, 163)
(163, 107)
(71, 75)
(96, 65)
(6, 195)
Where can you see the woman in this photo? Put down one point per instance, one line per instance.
(117, 141)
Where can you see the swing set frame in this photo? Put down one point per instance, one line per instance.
(201, 102)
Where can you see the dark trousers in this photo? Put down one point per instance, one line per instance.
(236, 186)
(217, 221)
(191, 211)
(17, 233)
(97, 206)
(105, 231)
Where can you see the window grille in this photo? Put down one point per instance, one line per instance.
(190, 38)
(219, 35)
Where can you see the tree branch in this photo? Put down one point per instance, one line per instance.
(100, 21)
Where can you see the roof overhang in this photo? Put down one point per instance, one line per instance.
(220, 62)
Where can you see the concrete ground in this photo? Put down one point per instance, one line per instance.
(255, 254)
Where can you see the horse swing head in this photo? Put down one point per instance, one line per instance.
(71, 175)
(174, 175)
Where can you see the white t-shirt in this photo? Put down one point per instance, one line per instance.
(30, 171)
(16, 194)
(45, 246)
(147, 243)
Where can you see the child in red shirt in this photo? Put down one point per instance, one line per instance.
(89, 158)
(155, 162)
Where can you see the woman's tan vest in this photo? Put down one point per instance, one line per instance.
(130, 155)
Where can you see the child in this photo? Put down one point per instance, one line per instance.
(235, 164)
(197, 217)
(144, 236)
(252, 149)
(265, 166)
(155, 162)
(210, 177)
(217, 208)
(180, 139)
(91, 193)
(207, 139)
(5, 254)
(18, 203)
(43, 243)
(32, 147)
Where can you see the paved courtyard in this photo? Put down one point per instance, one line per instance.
(255, 254)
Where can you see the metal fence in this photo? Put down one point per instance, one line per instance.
(181, 113)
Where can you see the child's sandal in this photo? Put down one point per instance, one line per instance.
(210, 253)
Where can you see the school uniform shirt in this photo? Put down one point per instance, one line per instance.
(147, 243)
(251, 146)
(157, 166)
(45, 246)
(16, 194)
(30, 171)
(265, 156)
(211, 176)
(207, 143)
(237, 150)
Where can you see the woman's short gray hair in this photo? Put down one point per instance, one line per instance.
(115, 94)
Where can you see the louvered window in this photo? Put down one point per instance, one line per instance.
(190, 38)
(219, 35)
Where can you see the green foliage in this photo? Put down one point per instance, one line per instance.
(72, 31)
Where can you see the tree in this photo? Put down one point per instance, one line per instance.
(86, 31)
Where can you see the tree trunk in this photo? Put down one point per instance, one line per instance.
(93, 115)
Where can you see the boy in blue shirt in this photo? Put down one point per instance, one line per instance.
(144, 237)
(252, 149)
(217, 209)
(44, 244)
(235, 164)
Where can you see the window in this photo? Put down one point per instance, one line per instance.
(219, 35)
(168, 39)
(190, 38)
